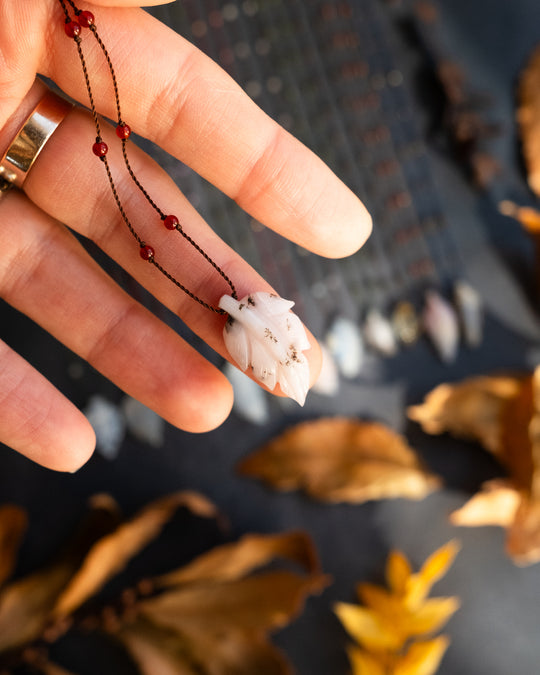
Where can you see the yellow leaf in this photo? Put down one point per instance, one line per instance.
(398, 571)
(387, 606)
(367, 628)
(364, 663)
(431, 616)
(435, 567)
(422, 658)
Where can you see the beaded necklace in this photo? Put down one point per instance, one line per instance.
(261, 332)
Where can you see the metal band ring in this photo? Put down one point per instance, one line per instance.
(31, 139)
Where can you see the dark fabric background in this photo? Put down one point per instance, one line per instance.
(496, 630)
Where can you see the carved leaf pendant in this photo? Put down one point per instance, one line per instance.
(262, 333)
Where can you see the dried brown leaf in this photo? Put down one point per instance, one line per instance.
(471, 409)
(516, 447)
(26, 605)
(496, 504)
(157, 650)
(262, 602)
(528, 115)
(523, 538)
(13, 522)
(49, 668)
(218, 628)
(112, 553)
(341, 460)
(235, 560)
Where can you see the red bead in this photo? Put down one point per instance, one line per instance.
(72, 29)
(171, 222)
(86, 19)
(100, 149)
(147, 252)
(123, 130)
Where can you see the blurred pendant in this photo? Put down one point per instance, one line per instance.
(441, 325)
(379, 333)
(405, 323)
(469, 305)
(346, 345)
(262, 334)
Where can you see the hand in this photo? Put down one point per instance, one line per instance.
(177, 97)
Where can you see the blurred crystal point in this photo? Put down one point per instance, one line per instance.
(345, 343)
(328, 381)
(405, 323)
(250, 401)
(441, 325)
(108, 424)
(471, 312)
(379, 333)
(146, 425)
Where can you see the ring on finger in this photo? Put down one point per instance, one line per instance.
(31, 139)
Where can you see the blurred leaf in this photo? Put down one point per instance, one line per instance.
(387, 626)
(218, 627)
(341, 460)
(435, 567)
(495, 504)
(422, 658)
(523, 540)
(364, 663)
(13, 523)
(49, 668)
(471, 409)
(26, 605)
(367, 628)
(158, 650)
(510, 427)
(112, 553)
(233, 561)
(528, 115)
(263, 602)
(398, 571)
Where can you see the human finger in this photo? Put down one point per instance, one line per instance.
(70, 183)
(46, 274)
(187, 104)
(37, 420)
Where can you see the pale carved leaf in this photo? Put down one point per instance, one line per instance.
(262, 333)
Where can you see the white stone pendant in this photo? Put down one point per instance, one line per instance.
(262, 333)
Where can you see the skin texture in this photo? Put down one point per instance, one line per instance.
(184, 102)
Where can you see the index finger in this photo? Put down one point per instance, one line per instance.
(177, 97)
